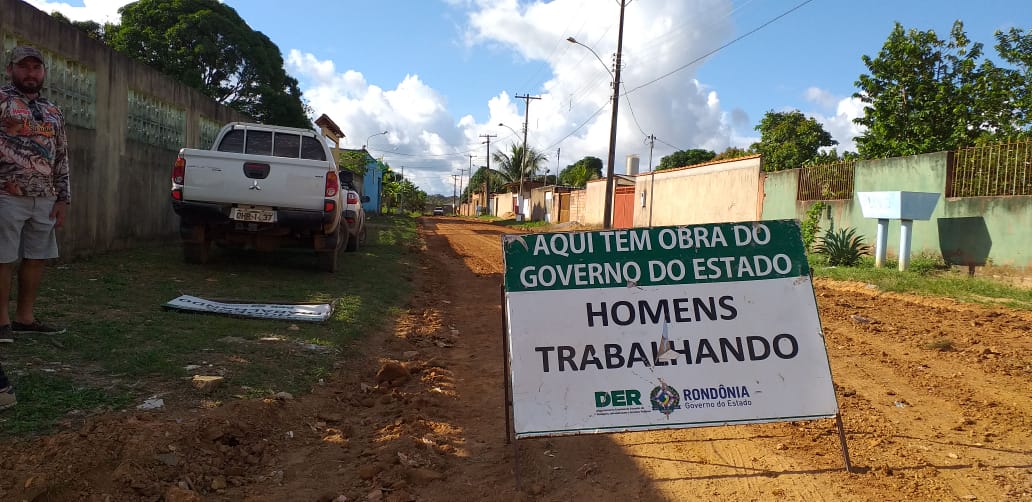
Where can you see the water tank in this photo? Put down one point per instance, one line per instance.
(632, 165)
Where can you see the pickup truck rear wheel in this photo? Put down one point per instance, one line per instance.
(196, 253)
(353, 243)
(196, 245)
(328, 260)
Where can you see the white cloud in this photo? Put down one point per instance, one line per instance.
(839, 123)
(573, 113)
(822, 97)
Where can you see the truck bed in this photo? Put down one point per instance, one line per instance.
(220, 177)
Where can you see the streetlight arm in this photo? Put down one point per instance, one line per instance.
(510, 128)
(574, 41)
(371, 136)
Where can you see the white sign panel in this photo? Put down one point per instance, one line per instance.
(665, 327)
(287, 312)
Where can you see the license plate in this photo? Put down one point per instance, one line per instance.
(255, 215)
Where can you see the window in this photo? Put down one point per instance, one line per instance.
(312, 149)
(287, 145)
(259, 143)
(232, 142)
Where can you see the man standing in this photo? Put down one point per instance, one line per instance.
(34, 189)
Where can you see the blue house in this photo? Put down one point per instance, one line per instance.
(370, 182)
(372, 185)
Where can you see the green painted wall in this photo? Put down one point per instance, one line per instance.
(779, 193)
(965, 231)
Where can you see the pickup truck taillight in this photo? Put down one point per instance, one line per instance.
(332, 184)
(352, 198)
(178, 176)
(179, 171)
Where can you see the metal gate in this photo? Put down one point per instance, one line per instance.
(564, 207)
(623, 207)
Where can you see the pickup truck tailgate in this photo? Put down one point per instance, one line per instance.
(222, 177)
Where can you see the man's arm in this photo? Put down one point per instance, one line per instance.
(62, 177)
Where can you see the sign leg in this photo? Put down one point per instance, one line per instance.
(507, 401)
(905, 236)
(842, 442)
(881, 242)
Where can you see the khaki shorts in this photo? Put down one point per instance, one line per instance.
(26, 230)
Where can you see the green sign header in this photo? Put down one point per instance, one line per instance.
(712, 253)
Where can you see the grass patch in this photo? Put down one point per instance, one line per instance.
(929, 278)
(121, 344)
(44, 398)
(520, 225)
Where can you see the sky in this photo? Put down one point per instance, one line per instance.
(439, 76)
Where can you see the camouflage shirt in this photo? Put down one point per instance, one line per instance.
(33, 146)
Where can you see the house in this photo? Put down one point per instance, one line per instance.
(357, 167)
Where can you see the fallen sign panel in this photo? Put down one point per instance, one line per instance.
(316, 312)
(665, 327)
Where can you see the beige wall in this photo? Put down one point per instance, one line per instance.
(120, 186)
(594, 202)
(577, 206)
(727, 191)
(502, 205)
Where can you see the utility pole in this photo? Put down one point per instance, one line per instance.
(651, 140)
(401, 191)
(471, 181)
(607, 218)
(557, 150)
(523, 167)
(454, 179)
(488, 142)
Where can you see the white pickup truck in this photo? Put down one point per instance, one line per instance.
(263, 187)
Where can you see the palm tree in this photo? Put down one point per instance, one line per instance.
(509, 165)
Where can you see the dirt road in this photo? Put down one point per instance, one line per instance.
(936, 399)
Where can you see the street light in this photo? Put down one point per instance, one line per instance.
(523, 167)
(371, 136)
(607, 218)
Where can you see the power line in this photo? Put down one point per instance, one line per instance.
(583, 123)
(714, 51)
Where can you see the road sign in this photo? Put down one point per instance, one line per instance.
(664, 327)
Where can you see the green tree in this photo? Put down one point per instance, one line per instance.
(93, 29)
(831, 157)
(789, 139)
(925, 94)
(207, 45)
(732, 152)
(1015, 48)
(356, 161)
(518, 160)
(581, 172)
(682, 158)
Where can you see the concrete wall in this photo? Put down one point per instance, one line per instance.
(119, 184)
(965, 231)
(594, 199)
(577, 198)
(720, 192)
(776, 202)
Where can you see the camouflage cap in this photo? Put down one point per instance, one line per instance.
(23, 51)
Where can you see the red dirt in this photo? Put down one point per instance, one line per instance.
(934, 394)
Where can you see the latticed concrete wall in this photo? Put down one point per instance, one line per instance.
(126, 122)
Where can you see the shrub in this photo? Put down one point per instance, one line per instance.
(844, 247)
(927, 263)
(811, 225)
